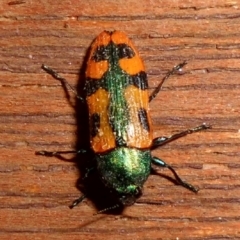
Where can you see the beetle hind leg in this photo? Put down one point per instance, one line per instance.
(171, 72)
(57, 76)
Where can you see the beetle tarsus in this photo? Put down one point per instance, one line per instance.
(77, 201)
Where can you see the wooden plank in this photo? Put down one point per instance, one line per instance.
(35, 114)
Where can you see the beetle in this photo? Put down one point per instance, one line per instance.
(121, 135)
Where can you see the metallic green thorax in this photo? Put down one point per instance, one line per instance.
(115, 80)
(124, 171)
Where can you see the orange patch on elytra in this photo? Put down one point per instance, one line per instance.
(98, 103)
(97, 69)
(102, 39)
(133, 65)
(137, 136)
(119, 37)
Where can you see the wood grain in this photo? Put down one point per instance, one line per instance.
(36, 114)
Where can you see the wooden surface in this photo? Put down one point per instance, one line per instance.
(35, 114)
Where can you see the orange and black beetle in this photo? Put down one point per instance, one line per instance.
(120, 125)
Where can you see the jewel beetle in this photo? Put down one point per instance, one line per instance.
(121, 136)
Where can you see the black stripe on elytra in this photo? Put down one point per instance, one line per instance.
(142, 116)
(92, 85)
(101, 53)
(125, 51)
(95, 124)
(139, 80)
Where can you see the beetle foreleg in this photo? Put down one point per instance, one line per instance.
(161, 163)
(77, 201)
(59, 153)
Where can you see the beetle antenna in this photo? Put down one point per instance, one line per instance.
(107, 209)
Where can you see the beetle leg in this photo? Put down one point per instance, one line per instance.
(161, 163)
(59, 153)
(57, 76)
(171, 72)
(77, 201)
(82, 197)
(159, 141)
